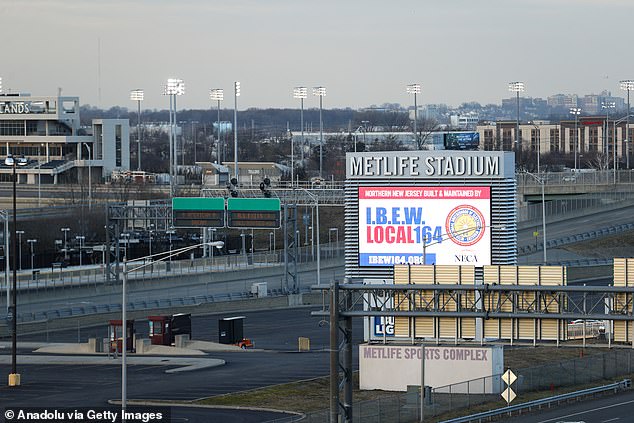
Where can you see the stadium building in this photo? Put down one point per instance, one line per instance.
(47, 132)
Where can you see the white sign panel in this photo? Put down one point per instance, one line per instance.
(424, 225)
(378, 327)
(394, 367)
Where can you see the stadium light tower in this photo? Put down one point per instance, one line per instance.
(137, 95)
(321, 92)
(627, 85)
(517, 87)
(576, 111)
(173, 88)
(236, 94)
(217, 94)
(414, 89)
(301, 93)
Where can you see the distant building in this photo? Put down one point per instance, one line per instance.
(47, 132)
(593, 103)
(252, 173)
(559, 137)
(563, 100)
(464, 121)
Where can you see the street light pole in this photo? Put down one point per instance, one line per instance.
(81, 239)
(627, 85)
(31, 242)
(14, 377)
(65, 230)
(124, 316)
(412, 89)
(217, 94)
(321, 92)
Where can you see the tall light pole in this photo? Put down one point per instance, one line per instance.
(236, 94)
(19, 233)
(31, 242)
(65, 230)
(301, 93)
(413, 89)
(124, 317)
(173, 88)
(217, 94)
(517, 87)
(321, 92)
(607, 105)
(576, 111)
(137, 95)
(627, 85)
(14, 377)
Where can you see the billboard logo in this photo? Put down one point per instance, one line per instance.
(466, 258)
(384, 325)
(465, 224)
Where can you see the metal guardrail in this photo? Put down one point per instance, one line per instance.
(585, 236)
(622, 385)
(150, 304)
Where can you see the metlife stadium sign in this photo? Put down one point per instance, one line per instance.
(445, 207)
(424, 225)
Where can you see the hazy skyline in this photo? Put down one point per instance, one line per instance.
(363, 52)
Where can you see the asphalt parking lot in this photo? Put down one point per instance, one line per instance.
(274, 361)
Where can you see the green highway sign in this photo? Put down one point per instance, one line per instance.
(198, 212)
(255, 213)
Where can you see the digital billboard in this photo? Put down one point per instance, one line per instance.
(462, 141)
(431, 225)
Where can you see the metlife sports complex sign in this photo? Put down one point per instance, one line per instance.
(438, 207)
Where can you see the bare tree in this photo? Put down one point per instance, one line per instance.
(425, 128)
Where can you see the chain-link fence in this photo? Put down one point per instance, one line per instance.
(405, 407)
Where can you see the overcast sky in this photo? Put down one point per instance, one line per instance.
(363, 51)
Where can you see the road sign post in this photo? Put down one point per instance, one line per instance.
(509, 378)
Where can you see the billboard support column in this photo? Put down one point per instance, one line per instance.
(334, 353)
(347, 360)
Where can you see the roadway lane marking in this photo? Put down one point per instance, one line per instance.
(588, 411)
(611, 420)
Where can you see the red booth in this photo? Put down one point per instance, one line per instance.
(160, 330)
(163, 329)
(115, 331)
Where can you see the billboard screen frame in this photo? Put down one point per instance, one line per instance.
(394, 220)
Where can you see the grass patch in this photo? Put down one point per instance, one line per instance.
(313, 395)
